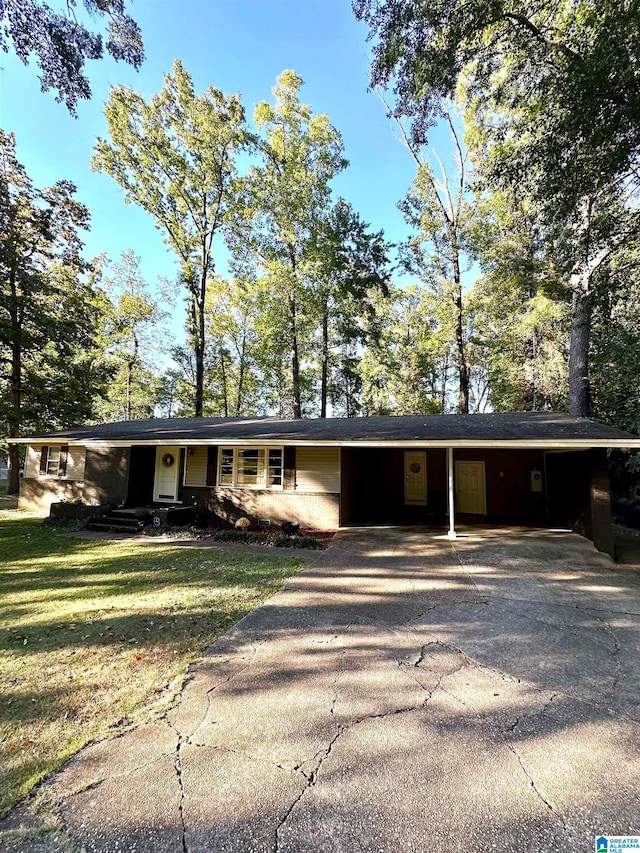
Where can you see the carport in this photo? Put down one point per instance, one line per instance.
(544, 470)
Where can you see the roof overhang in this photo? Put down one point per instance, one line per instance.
(497, 444)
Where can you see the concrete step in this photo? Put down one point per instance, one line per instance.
(119, 525)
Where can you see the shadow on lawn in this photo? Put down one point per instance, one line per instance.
(415, 670)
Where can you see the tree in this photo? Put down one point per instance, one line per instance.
(168, 392)
(232, 386)
(132, 330)
(440, 214)
(49, 314)
(520, 306)
(615, 348)
(572, 66)
(285, 198)
(400, 368)
(352, 264)
(62, 43)
(175, 157)
(553, 87)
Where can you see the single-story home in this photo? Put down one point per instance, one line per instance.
(544, 469)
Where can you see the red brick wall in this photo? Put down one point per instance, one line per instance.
(38, 495)
(310, 509)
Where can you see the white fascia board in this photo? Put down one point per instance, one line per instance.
(503, 444)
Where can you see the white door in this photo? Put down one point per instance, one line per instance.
(165, 486)
(415, 477)
(471, 491)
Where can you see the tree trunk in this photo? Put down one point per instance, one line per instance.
(295, 362)
(444, 378)
(241, 375)
(128, 407)
(14, 415)
(463, 369)
(199, 352)
(223, 372)
(130, 365)
(579, 389)
(13, 481)
(325, 362)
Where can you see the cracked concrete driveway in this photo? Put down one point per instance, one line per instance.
(405, 693)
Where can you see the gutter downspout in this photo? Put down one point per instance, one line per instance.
(451, 503)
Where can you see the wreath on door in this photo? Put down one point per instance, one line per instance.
(168, 460)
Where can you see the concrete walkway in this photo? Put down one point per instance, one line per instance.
(403, 694)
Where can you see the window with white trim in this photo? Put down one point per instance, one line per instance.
(53, 461)
(250, 467)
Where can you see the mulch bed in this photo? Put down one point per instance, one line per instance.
(275, 537)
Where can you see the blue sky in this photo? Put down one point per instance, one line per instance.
(238, 46)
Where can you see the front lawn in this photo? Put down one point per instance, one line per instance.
(97, 635)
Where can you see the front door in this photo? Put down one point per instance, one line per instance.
(471, 492)
(165, 486)
(415, 477)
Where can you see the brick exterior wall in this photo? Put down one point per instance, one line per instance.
(310, 509)
(106, 479)
(37, 495)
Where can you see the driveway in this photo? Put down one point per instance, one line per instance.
(402, 694)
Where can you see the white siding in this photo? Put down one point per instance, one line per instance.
(196, 467)
(76, 458)
(318, 469)
(32, 461)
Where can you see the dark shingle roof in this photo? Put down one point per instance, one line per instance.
(523, 426)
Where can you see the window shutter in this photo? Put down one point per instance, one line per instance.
(212, 465)
(62, 464)
(289, 476)
(44, 452)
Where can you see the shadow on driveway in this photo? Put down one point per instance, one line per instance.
(404, 693)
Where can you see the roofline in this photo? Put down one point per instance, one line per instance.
(537, 443)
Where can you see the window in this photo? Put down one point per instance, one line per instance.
(257, 467)
(274, 474)
(53, 461)
(250, 467)
(226, 466)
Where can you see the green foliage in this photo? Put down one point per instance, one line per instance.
(520, 307)
(551, 89)
(616, 344)
(62, 43)
(351, 270)
(570, 69)
(284, 198)
(175, 157)
(232, 380)
(404, 370)
(441, 215)
(132, 326)
(50, 363)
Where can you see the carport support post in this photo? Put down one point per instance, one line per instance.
(451, 495)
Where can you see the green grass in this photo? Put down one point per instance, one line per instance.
(97, 635)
